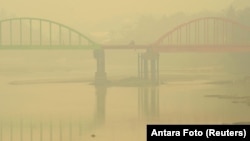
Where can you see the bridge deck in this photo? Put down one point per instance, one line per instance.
(159, 48)
(183, 48)
(202, 48)
(113, 47)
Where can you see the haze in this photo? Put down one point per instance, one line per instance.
(96, 19)
(48, 94)
(90, 13)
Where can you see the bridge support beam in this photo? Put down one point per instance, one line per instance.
(100, 75)
(148, 67)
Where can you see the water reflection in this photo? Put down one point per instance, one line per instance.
(237, 93)
(73, 129)
(148, 102)
(99, 116)
(35, 130)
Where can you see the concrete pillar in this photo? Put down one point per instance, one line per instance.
(100, 75)
(139, 66)
(148, 67)
(154, 59)
(0, 33)
(153, 70)
(141, 69)
(145, 64)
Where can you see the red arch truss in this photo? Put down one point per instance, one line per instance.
(206, 32)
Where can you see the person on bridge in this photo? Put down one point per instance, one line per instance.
(132, 43)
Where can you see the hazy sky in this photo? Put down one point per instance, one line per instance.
(94, 11)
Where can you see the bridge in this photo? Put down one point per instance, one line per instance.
(207, 34)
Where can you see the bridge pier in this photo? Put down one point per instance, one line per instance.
(100, 75)
(148, 67)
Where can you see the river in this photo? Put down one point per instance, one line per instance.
(47, 95)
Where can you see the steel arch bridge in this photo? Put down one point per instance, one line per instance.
(37, 33)
(207, 34)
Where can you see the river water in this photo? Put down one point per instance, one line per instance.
(47, 95)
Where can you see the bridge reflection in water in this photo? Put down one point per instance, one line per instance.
(43, 130)
(148, 102)
(35, 129)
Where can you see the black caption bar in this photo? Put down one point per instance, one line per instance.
(198, 132)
